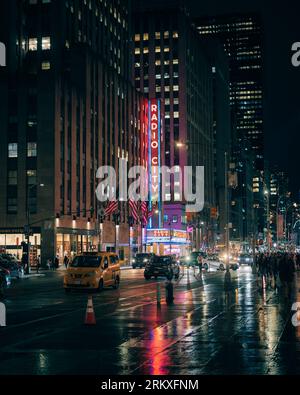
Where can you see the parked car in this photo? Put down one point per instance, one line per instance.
(10, 258)
(5, 280)
(14, 269)
(162, 266)
(13, 259)
(141, 259)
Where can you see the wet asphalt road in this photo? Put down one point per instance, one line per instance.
(247, 330)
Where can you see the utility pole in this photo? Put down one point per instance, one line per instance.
(226, 209)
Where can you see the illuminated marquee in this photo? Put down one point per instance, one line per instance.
(165, 236)
(154, 149)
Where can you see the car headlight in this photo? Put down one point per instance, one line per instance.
(133, 260)
(247, 259)
(145, 260)
(188, 258)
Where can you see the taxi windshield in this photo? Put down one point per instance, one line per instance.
(86, 261)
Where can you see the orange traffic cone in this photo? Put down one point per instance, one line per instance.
(90, 318)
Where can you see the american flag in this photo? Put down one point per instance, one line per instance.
(111, 207)
(144, 213)
(134, 209)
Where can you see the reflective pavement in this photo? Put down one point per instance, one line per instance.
(245, 330)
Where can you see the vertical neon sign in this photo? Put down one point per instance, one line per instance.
(154, 153)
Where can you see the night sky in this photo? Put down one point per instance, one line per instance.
(282, 80)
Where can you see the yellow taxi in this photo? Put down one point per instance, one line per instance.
(93, 270)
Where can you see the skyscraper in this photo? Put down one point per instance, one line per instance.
(171, 64)
(69, 106)
(241, 36)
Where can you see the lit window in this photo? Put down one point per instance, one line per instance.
(177, 197)
(175, 88)
(167, 197)
(157, 49)
(31, 177)
(175, 34)
(46, 43)
(176, 114)
(166, 49)
(146, 50)
(33, 43)
(31, 150)
(46, 66)
(137, 51)
(166, 34)
(137, 37)
(157, 35)
(13, 150)
(146, 36)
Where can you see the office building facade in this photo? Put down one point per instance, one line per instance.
(171, 65)
(69, 108)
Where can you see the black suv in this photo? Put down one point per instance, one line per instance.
(162, 266)
(141, 260)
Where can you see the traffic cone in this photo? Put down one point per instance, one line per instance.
(90, 318)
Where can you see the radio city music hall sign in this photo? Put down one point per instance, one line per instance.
(154, 154)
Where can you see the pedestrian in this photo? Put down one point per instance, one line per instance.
(66, 261)
(56, 263)
(200, 262)
(38, 264)
(298, 261)
(49, 263)
(290, 270)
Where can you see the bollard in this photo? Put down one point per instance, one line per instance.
(169, 293)
(158, 294)
(227, 282)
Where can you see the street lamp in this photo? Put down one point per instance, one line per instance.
(267, 195)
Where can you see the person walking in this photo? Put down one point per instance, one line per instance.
(56, 263)
(66, 261)
(298, 261)
(38, 263)
(200, 262)
(290, 270)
